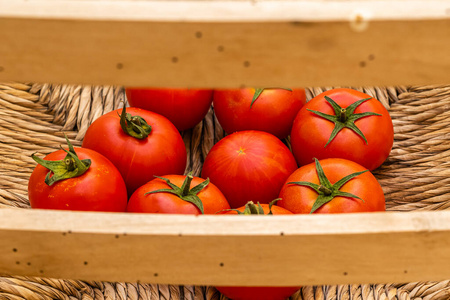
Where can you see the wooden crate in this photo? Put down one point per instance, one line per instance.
(226, 44)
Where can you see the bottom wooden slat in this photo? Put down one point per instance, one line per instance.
(226, 250)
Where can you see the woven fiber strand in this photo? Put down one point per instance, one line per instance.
(416, 176)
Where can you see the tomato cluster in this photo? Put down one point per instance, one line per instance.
(134, 159)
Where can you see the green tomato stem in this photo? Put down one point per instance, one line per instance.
(343, 115)
(71, 166)
(326, 191)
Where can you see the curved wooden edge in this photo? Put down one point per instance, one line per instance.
(227, 250)
(227, 11)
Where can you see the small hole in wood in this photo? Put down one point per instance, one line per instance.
(174, 59)
(221, 264)
(85, 263)
(345, 273)
(362, 64)
(64, 233)
(69, 232)
(14, 250)
(17, 262)
(198, 34)
(41, 271)
(117, 236)
(119, 66)
(282, 233)
(220, 48)
(180, 234)
(28, 264)
(246, 64)
(156, 274)
(371, 57)
(406, 271)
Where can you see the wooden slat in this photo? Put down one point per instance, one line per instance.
(225, 43)
(227, 250)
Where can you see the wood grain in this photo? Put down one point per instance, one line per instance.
(226, 250)
(225, 44)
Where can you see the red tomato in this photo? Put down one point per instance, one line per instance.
(300, 199)
(311, 132)
(249, 166)
(138, 160)
(267, 209)
(100, 188)
(185, 108)
(273, 111)
(166, 202)
(257, 293)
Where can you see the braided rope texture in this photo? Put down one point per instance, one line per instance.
(416, 176)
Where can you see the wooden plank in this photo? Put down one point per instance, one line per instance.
(227, 250)
(225, 44)
(226, 11)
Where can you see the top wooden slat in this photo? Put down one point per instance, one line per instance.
(225, 43)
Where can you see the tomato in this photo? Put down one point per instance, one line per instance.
(95, 185)
(178, 194)
(137, 150)
(311, 134)
(258, 293)
(185, 108)
(259, 209)
(344, 187)
(249, 166)
(273, 111)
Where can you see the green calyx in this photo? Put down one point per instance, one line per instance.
(325, 189)
(344, 117)
(258, 93)
(134, 126)
(255, 209)
(185, 192)
(71, 166)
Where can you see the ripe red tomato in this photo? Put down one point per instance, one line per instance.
(335, 192)
(255, 209)
(99, 188)
(178, 196)
(249, 166)
(258, 293)
(273, 111)
(138, 158)
(311, 134)
(185, 108)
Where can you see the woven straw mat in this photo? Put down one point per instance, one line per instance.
(416, 176)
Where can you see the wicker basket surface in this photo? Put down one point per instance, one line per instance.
(416, 176)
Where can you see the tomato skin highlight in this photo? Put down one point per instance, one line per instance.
(310, 132)
(101, 188)
(249, 166)
(274, 111)
(185, 108)
(162, 152)
(300, 199)
(212, 198)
